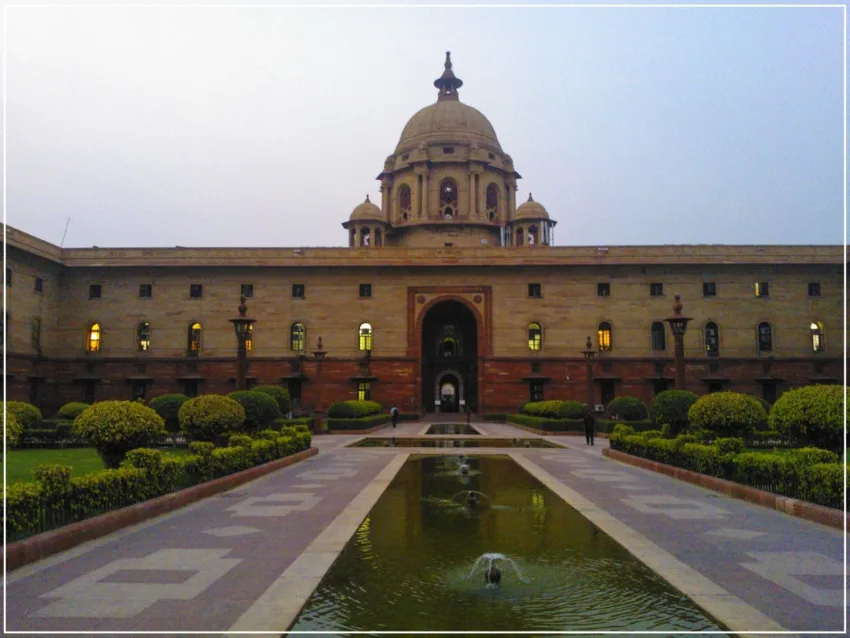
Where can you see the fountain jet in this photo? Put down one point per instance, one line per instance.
(493, 575)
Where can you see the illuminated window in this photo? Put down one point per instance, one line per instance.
(535, 336)
(365, 336)
(35, 335)
(604, 334)
(817, 336)
(657, 332)
(193, 346)
(296, 337)
(249, 338)
(95, 291)
(93, 338)
(765, 337)
(143, 336)
(712, 339)
(364, 392)
(762, 289)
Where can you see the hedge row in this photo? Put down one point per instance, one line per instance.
(546, 424)
(363, 423)
(56, 499)
(558, 410)
(353, 409)
(809, 474)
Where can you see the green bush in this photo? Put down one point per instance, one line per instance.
(211, 417)
(554, 409)
(201, 448)
(731, 445)
(260, 409)
(363, 423)
(72, 410)
(628, 408)
(769, 472)
(622, 430)
(114, 428)
(812, 456)
(353, 409)
(27, 415)
(55, 479)
(823, 483)
(813, 414)
(12, 430)
(764, 403)
(547, 424)
(727, 414)
(279, 394)
(671, 407)
(239, 440)
(168, 407)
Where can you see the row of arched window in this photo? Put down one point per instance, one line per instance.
(605, 339)
(449, 199)
(194, 337)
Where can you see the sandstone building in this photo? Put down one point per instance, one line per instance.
(449, 294)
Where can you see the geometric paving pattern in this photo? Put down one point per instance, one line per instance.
(233, 530)
(279, 504)
(674, 507)
(735, 534)
(782, 567)
(93, 596)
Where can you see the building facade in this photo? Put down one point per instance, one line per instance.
(449, 295)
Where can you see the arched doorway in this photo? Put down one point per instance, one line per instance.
(449, 358)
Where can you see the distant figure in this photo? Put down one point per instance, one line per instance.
(589, 425)
(394, 413)
(492, 576)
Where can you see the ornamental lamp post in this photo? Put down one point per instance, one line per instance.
(242, 328)
(589, 357)
(678, 326)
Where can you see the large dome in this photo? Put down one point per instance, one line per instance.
(448, 120)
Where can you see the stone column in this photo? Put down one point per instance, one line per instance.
(415, 194)
(424, 212)
(385, 197)
(512, 188)
(482, 203)
(473, 209)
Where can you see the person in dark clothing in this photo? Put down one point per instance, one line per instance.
(394, 413)
(589, 425)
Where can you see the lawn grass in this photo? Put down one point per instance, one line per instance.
(84, 460)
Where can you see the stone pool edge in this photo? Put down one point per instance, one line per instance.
(717, 602)
(281, 603)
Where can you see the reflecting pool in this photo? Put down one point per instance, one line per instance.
(452, 428)
(412, 441)
(420, 560)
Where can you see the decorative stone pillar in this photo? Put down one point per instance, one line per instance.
(473, 209)
(385, 197)
(512, 188)
(424, 211)
(417, 191)
(482, 204)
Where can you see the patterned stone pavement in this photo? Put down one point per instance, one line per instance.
(205, 567)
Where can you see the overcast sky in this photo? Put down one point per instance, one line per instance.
(266, 126)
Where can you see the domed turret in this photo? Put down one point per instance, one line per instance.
(531, 225)
(531, 210)
(366, 211)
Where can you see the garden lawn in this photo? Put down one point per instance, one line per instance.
(84, 460)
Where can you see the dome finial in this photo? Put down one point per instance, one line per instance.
(529, 197)
(367, 198)
(448, 83)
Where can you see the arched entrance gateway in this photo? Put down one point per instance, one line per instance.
(449, 358)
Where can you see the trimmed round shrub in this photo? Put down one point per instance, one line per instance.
(12, 430)
(813, 414)
(764, 403)
(27, 415)
(114, 428)
(280, 395)
(239, 440)
(628, 408)
(168, 407)
(260, 409)
(353, 409)
(211, 418)
(570, 410)
(72, 410)
(671, 407)
(727, 414)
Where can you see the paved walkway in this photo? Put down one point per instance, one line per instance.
(217, 564)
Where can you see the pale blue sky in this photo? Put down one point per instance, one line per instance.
(265, 127)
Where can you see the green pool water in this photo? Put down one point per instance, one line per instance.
(452, 428)
(453, 443)
(410, 564)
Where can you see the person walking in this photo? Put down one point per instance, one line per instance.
(394, 413)
(589, 425)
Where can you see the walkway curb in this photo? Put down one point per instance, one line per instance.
(794, 507)
(43, 545)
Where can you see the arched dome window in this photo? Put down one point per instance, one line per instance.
(193, 346)
(532, 235)
(404, 199)
(817, 336)
(519, 236)
(352, 241)
(448, 197)
(365, 237)
(93, 339)
(379, 238)
(492, 201)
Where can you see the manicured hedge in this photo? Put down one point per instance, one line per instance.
(554, 409)
(211, 417)
(279, 394)
(813, 414)
(12, 429)
(546, 424)
(27, 414)
(168, 407)
(363, 423)
(628, 408)
(114, 428)
(301, 420)
(727, 414)
(671, 407)
(72, 410)
(810, 474)
(261, 409)
(56, 499)
(353, 409)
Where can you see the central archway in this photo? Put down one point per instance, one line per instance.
(449, 358)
